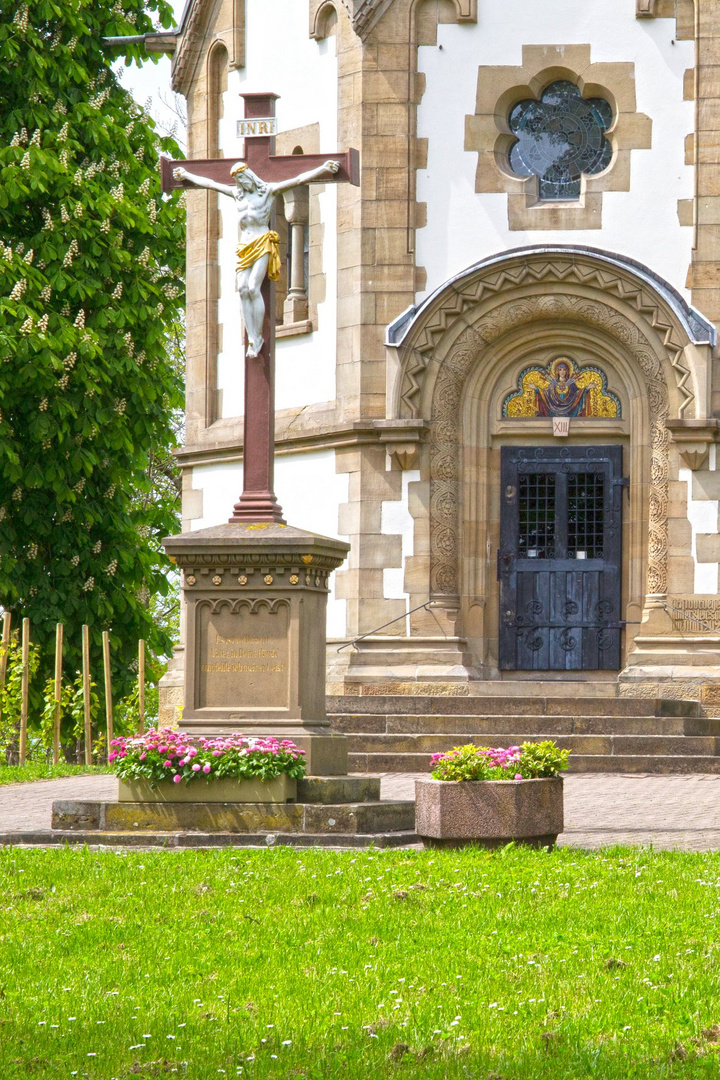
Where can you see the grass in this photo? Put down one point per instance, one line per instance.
(40, 770)
(513, 965)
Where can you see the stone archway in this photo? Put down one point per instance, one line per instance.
(445, 434)
(446, 341)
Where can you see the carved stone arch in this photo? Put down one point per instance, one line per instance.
(443, 351)
(424, 334)
(469, 349)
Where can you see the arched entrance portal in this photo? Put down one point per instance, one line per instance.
(458, 360)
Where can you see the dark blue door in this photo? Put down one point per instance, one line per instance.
(560, 558)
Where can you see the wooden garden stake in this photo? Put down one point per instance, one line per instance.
(24, 689)
(108, 688)
(58, 691)
(141, 687)
(86, 692)
(4, 650)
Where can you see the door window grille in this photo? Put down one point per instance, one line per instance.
(586, 515)
(536, 511)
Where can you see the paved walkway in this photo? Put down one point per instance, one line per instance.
(668, 812)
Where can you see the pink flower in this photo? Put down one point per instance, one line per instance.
(196, 768)
(143, 756)
(206, 768)
(176, 779)
(518, 776)
(167, 764)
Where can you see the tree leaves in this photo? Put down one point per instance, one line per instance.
(90, 259)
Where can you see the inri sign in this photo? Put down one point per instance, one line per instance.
(259, 125)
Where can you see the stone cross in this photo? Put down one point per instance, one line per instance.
(258, 502)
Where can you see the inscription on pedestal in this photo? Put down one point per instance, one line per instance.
(695, 615)
(242, 655)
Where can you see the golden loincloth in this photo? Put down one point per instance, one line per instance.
(267, 244)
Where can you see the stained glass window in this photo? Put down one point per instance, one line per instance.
(559, 138)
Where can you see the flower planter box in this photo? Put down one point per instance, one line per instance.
(489, 812)
(281, 789)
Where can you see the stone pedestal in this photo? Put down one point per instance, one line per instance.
(255, 598)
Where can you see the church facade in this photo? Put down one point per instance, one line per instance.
(497, 373)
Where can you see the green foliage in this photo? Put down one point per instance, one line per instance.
(11, 696)
(542, 759)
(91, 294)
(530, 761)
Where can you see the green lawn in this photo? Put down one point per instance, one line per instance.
(520, 965)
(39, 770)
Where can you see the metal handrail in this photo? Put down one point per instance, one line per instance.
(405, 615)
(693, 618)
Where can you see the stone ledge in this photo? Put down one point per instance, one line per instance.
(363, 818)
(182, 840)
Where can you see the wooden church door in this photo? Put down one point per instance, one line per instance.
(559, 561)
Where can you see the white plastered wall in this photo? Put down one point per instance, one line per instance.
(282, 57)
(309, 491)
(464, 226)
(703, 518)
(396, 519)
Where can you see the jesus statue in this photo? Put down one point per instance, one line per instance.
(259, 250)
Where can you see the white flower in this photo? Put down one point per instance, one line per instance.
(64, 216)
(117, 291)
(25, 163)
(29, 257)
(43, 323)
(47, 219)
(63, 133)
(27, 326)
(70, 254)
(44, 405)
(35, 141)
(88, 587)
(18, 289)
(75, 560)
(69, 361)
(46, 293)
(80, 320)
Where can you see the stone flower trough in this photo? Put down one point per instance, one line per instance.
(489, 812)
(480, 795)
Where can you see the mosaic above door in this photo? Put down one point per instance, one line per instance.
(562, 388)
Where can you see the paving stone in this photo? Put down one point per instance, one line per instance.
(670, 812)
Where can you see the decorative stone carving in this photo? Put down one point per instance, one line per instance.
(445, 436)
(471, 291)
(693, 439)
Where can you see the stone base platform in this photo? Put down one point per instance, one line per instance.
(339, 818)
(184, 840)
(325, 806)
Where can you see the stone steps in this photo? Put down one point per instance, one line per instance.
(611, 763)
(409, 704)
(399, 733)
(525, 726)
(617, 745)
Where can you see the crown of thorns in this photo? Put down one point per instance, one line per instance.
(238, 168)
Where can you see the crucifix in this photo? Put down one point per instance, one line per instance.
(254, 182)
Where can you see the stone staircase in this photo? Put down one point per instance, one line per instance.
(399, 733)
